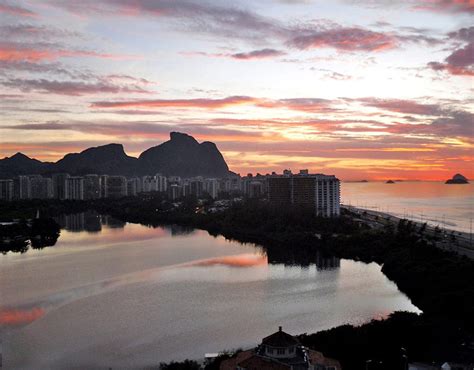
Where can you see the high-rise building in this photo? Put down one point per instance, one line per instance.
(318, 192)
(21, 187)
(132, 186)
(116, 186)
(103, 180)
(91, 187)
(161, 183)
(148, 184)
(252, 186)
(74, 188)
(41, 187)
(175, 191)
(196, 187)
(59, 185)
(6, 190)
(211, 186)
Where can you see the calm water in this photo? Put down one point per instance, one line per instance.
(132, 296)
(450, 206)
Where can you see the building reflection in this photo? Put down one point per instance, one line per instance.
(89, 221)
(178, 230)
(112, 223)
(303, 258)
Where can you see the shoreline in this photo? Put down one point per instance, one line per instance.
(463, 243)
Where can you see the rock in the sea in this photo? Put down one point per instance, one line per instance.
(457, 179)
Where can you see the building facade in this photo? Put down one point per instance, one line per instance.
(280, 351)
(6, 190)
(318, 192)
(116, 187)
(74, 188)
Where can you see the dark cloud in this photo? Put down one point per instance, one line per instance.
(34, 31)
(346, 39)
(403, 106)
(464, 34)
(237, 23)
(461, 60)
(259, 54)
(72, 88)
(226, 21)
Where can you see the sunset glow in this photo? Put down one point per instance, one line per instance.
(362, 90)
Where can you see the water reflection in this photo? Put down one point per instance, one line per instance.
(93, 223)
(89, 221)
(151, 295)
(36, 233)
(303, 257)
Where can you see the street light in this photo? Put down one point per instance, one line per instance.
(367, 364)
(404, 358)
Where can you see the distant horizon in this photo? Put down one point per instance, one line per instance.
(343, 87)
(263, 172)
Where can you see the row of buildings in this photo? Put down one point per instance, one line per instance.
(316, 191)
(63, 186)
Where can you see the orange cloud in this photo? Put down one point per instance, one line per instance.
(299, 104)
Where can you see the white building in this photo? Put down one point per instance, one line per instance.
(74, 188)
(211, 186)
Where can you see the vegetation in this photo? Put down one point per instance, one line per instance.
(184, 365)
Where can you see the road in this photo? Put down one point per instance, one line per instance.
(450, 240)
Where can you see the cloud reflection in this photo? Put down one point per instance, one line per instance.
(11, 317)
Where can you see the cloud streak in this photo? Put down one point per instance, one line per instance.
(258, 54)
(345, 39)
(297, 104)
(71, 88)
(16, 10)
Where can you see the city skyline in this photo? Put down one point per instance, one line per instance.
(360, 90)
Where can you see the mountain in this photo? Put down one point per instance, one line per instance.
(457, 179)
(181, 156)
(107, 159)
(20, 164)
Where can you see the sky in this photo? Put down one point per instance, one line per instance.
(361, 89)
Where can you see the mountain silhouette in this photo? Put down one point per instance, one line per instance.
(108, 159)
(181, 156)
(20, 164)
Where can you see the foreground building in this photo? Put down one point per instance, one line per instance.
(315, 191)
(280, 351)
